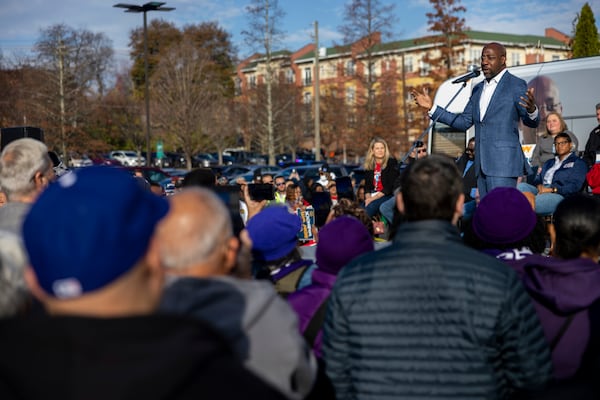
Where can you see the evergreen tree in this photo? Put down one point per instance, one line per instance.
(585, 39)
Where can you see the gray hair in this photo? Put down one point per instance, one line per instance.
(14, 295)
(19, 162)
(210, 226)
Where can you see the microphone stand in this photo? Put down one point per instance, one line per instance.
(428, 128)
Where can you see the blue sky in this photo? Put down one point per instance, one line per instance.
(21, 20)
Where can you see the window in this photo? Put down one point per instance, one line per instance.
(289, 76)
(424, 68)
(408, 64)
(515, 58)
(373, 72)
(474, 56)
(333, 70)
(252, 81)
(350, 68)
(307, 98)
(307, 79)
(350, 94)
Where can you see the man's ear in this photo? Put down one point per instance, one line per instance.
(231, 254)
(458, 209)
(33, 285)
(400, 202)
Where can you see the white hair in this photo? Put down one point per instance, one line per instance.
(19, 162)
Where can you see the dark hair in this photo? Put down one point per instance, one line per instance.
(348, 207)
(203, 177)
(577, 226)
(430, 188)
(563, 135)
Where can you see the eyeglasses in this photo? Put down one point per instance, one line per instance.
(561, 143)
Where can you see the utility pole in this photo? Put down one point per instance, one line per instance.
(317, 96)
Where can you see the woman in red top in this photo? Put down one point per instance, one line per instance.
(381, 170)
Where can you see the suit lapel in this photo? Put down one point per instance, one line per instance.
(497, 93)
(476, 98)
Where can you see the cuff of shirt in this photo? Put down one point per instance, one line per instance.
(534, 114)
(432, 110)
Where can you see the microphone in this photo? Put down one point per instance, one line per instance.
(474, 72)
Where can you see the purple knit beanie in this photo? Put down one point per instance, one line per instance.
(340, 241)
(504, 216)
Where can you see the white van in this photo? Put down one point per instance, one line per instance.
(571, 87)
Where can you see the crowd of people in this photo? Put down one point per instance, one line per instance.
(477, 288)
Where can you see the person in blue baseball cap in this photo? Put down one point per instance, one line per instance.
(90, 238)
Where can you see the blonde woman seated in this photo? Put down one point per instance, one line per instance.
(381, 170)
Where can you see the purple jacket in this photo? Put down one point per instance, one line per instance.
(307, 301)
(560, 288)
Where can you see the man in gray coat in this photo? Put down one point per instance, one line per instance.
(206, 266)
(428, 317)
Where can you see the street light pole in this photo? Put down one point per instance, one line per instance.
(134, 8)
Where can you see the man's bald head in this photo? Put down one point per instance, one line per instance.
(195, 232)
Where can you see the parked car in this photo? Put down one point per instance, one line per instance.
(103, 159)
(153, 175)
(313, 170)
(77, 160)
(246, 157)
(127, 157)
(205, 160)
(247, 171)
(302, 158)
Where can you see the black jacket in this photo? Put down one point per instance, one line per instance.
(149, 357)
(470, 178)
(592, 146)
(388, 177)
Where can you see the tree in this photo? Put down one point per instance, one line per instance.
(366, 21)
(185, 87)
(264, 17)
(585, 38)
(119, 116)
(217, 42)
(74, 64)
(448, 28)
(183, 90)
(161, 35)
